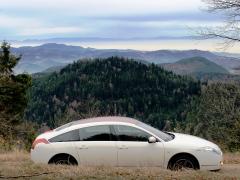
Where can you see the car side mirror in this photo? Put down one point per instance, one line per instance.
(152, 139)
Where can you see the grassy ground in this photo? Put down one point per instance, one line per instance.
(17, 165)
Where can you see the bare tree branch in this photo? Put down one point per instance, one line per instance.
(230, 32)
(223, 36)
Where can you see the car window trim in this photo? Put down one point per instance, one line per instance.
(112, 133)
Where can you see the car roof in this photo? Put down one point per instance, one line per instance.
(106, 119)
(99, 120)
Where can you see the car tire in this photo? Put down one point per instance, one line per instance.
(63, 160)
(183, 162)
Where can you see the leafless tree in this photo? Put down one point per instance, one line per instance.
(230, 31)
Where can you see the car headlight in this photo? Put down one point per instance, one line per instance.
(211, 149)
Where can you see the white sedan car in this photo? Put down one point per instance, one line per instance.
(121, 141)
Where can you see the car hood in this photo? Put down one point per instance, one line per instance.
(191, 141)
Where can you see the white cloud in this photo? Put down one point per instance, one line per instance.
(50, 30)
(17, 22)
(103, 7)
(174, 23)
(98, 18)
(31, 27)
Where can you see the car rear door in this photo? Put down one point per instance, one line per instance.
(97, 146)
(134, 149)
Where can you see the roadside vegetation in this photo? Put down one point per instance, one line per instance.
(215, 115)
(13, 101)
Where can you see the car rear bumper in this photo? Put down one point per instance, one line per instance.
(39, 157)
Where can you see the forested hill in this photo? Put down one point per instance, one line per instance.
(195, 66)
(112, 86)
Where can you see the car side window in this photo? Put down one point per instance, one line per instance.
(67, 137)
(96, 133)
(128, 133)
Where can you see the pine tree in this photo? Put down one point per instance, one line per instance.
(13, 89)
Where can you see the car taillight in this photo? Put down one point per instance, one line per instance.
(38, 141)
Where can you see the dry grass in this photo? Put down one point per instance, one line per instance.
(19, 164)
(14, 156)
(232, 158)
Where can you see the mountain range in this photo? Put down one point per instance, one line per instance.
(39, 58)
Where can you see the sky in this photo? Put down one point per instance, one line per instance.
(155, 22)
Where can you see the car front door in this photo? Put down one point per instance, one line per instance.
(134, 148)
(97, 146)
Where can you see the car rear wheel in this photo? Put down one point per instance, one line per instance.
(63, 159)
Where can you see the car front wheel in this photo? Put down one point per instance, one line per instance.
(183, 163)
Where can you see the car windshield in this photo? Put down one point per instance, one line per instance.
(164, 136)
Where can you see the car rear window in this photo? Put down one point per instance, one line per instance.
(67, 137)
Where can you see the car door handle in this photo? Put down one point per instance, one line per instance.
(83, 147)
(123, 147)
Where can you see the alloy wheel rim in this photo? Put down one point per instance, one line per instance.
(182, 164)
(62, 161)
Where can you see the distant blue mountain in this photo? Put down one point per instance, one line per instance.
(38, 58)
